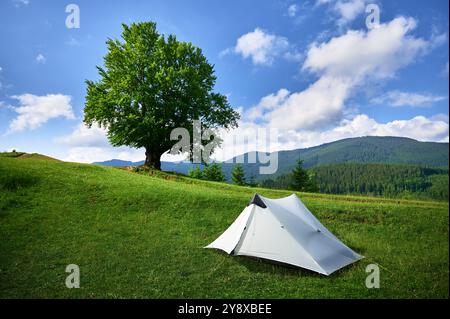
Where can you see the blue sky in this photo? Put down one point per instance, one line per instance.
(312, 69)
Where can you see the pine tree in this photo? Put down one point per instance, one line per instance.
(238, 175)
(300, 177)
(214, 173)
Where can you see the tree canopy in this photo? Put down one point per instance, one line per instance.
(150, 85)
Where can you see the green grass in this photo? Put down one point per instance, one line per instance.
(137, 236)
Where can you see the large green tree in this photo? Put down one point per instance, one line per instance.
(150, 85)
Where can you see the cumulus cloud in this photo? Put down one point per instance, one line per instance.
(398, 98)
(269, 102)
(322, 103)
(343, 64)
(262, 47)
(36, 110)
(41, 59)
(378, 52)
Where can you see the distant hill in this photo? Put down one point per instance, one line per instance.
(370, 149)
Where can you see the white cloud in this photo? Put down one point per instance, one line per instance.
(40, 58)
(36, 110)
(268, 102)
(292, 10)
(347, 10)
(322, 103)
(1, 69)
(378, 53)
(343, 64)
(399, 98)
(440, 117)
(261, 46)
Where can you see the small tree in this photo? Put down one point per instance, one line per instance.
(196, 173)
(238, 175)
(214, 172)
(300, 177)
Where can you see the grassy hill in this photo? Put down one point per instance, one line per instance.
(141, 236)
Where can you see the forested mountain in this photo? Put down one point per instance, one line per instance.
(370, 149)
(388, 180)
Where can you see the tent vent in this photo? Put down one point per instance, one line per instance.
(257, 201)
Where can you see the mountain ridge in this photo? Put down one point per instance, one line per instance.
(368, 149)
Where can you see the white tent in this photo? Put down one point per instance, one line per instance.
(284, 230)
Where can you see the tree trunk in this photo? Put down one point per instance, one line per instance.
(153, 159)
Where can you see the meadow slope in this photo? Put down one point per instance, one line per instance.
(137, 236)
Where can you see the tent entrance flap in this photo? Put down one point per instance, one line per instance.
(232, 235)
